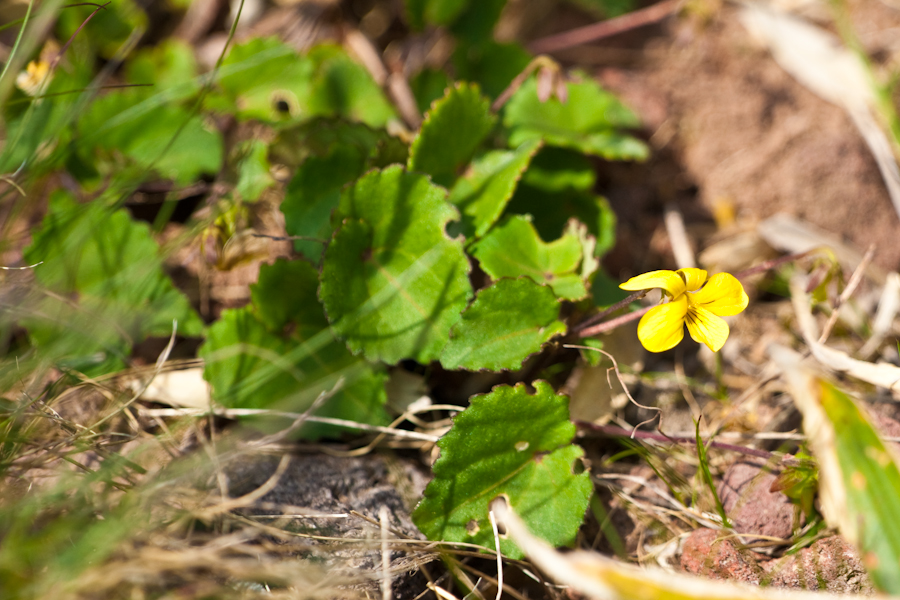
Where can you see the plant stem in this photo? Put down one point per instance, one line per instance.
(619, 432)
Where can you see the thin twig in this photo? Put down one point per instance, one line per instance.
(613, 323)
(250, 498)
(613, 431)
(854, 282)
(515, 84)
(160, 362)
(232, 413)
(289, 238)
(385, 554)
(615, 368)
(499, 555)
(10, 181)
(71, 39)
(394, 83)
(608, 311)
(603, 29)
(323, 396)
(774, 262)
(678, 237)
(22, 268)
(19, 38)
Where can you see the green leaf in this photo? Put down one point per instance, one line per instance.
(870, 479)
(472, 22)
(165, 138)
(859, 478)
(169, 66)
(514, 248)
(268, 80)
(589, 121)
(474, 26)
(552, 211)
(507, 443)
(280, 354)
(606, 291)
(482, 193)
(247, 365)
(452, 131)
(606, 9)
(285, 295)
(38, 134)
(558, 169)
(505, 324)
(313, 194)
(393, 283)
(108, 30)
(491, 65)
(323, 135)
(253, 170)
(111, 266)
(343, 87)
(335, 153)
(434, 12)
(429, 85)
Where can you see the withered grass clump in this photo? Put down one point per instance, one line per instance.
(136, 507)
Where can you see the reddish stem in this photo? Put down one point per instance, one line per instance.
(603, 29)
(613, 431)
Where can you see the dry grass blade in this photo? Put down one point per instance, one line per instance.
(888, 306)
(881, 374)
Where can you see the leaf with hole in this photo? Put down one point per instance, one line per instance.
(506, 323)
(268, 80)
(514, 444)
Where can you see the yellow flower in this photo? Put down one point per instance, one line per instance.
(33, 77)
(691, 302)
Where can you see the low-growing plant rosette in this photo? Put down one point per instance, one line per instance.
(693, 299)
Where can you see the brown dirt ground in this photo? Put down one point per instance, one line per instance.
(738, 130)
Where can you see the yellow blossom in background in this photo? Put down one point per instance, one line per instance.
(37, 72)
(32, 78)
(689, 302)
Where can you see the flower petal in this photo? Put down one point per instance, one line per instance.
(707, 328)
(669, 281)
(722, 295)
(663, 326)
(693, 278)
